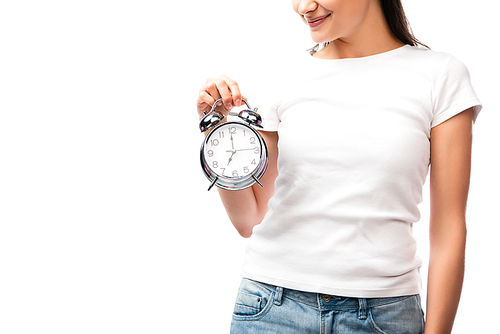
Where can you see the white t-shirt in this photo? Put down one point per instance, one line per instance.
(354, 153)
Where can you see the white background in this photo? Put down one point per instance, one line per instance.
(105, 222)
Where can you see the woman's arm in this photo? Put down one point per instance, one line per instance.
(245, 208)
(451, 144)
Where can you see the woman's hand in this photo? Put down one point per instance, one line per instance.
(216, 88)
(245, 208)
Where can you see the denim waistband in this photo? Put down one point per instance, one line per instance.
(319, 300)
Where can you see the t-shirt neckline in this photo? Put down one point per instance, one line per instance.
(377, 56)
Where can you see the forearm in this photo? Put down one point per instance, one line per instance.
(247, 208)
(243, 209)
(446, 273)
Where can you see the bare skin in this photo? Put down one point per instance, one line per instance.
(451, 144)
(358, 29)
(245, 208)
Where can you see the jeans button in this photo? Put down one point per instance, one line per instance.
(326, 298)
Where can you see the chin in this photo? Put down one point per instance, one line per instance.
(321, 39)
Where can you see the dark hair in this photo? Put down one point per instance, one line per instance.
(397, 21)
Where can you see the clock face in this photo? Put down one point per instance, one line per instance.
(233, 150)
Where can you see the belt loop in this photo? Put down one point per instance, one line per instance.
(279, 296)
(362, 309)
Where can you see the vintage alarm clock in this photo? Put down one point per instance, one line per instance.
(233, 155)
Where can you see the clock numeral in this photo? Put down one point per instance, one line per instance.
(235, 173)
(232, 130)
(256, 150)
(253, 162)
(246, 170)
(252, 140)
(214, 142)
(215, 164)
(210, 153)
(221, 134)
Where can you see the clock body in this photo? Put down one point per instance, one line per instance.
(233, 156)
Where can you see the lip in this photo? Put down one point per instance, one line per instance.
(316, 21)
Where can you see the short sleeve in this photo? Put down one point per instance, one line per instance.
(267, 105)
(270, 118)
(265, 100)
(453, 92)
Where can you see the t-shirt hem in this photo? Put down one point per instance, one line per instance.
(457, 109)
(270, 127)
(343, 292)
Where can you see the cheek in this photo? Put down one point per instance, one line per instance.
(355, 11)
(295, 6)
(349, 15)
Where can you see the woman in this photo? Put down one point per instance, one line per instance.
(331, 247)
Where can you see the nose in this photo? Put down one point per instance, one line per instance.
(306, 6)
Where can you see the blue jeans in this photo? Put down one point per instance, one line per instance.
(264, 309)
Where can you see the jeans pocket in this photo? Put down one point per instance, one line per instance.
(398, 315)
(247, 304)
(253, 301)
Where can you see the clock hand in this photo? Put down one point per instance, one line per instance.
(231, 157)
(232, 151)
(245, 149)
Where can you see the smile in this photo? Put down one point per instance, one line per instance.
(314, 22)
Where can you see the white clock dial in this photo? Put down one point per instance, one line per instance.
(233, 150)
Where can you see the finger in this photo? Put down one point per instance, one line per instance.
(204, 103)
(211, 89)
(234, 89)
(243, 98)
(210, 94)
(225, 93)
(205, 99)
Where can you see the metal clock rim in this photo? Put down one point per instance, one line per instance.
(244, 182)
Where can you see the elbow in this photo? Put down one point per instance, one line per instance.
(245, 232)
(245, 228)
(448, 236)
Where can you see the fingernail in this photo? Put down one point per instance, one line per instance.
(238, 102)
(219, 104)
(229, 106)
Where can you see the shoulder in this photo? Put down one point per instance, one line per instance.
(435, 61)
